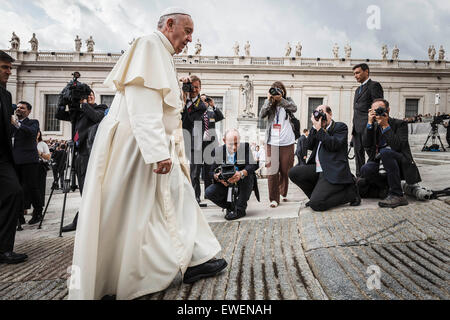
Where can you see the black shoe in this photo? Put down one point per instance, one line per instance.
(19, 227)
(71, 227)
(12, 258)
(356, 202)
(308, 204)
(235, 215)
(35, 219)
(109, 298)
(206, 270)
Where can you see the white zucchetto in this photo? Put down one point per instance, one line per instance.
(174, 10)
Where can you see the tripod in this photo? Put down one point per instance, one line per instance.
(68, 183)
(434, 135)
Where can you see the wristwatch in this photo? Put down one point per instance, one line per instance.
(242, 175)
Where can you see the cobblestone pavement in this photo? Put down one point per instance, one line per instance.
(289, 253)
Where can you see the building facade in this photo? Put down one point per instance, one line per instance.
(412, 87)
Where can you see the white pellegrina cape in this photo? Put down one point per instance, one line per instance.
(137, 230)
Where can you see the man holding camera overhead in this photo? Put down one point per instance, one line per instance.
(386, 140)
(326, 179)
(233, 165)
(193, 123)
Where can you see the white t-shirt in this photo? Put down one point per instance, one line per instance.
(282, 134)
(43, 148)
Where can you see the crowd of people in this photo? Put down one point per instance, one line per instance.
(140, 221)
(419, 118)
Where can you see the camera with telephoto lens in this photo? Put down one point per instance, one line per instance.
(275, 92)
(188, 87)
(320, 115)
(416, 191)
(226, 172)
(74, 93)
(381, 112)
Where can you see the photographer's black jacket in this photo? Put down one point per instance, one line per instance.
(397, 139)
(244, 161)
(196, 114)
(6, 111)
(332, 153)
(25, 143)
(371, 91)
(82, 119)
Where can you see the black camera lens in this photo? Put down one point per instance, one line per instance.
(275, 92)
(318, 115)
(380, 112)
(188, 87)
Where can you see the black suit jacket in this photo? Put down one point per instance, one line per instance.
(397, 139)
(189, 118)
(83, 120)
(245, 161)
(363, 102)
(301, 151)
(25, 143)
(332, 153)
(6, 111)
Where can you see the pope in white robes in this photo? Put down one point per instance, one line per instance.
(138, 229)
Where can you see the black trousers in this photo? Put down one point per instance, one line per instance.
(322, 194)
(29, 179)
(391, 162)
(207, 176)
(11, 205)
(81, 165)
(448, 141)
(218, 193)
(196, 170)
(42, 181)
(360, 153)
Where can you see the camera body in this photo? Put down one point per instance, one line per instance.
(275, 92)
(380, 112)
(226, 172)
(320, 115)
(73, 93)
(437, 120)
(188, 87)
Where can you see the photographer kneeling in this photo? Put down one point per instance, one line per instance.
(386, 140)
(84, 117)
(243, 176)
(326, 178)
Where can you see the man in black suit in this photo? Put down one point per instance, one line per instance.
(211, 116)
(240, 155)
(26, 157)
(447, 125)
(83, 119)
(386, 140)
(194, 129)
(364, 97)
(326, 179)
(11, 195)
(302, 152)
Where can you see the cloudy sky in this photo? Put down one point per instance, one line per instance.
(411, 24)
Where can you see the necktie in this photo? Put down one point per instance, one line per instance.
(360, 89)
(206, 120)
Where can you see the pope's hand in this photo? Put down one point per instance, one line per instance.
(164, 167)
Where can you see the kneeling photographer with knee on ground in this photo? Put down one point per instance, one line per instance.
(234, 175)
(386, 140)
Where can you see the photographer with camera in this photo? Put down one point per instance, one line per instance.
(194, 123)
(84, 114)
(234, 175)
(26, 158)
(326, 178)
(278, 112)
(386, 140)
(211, 116)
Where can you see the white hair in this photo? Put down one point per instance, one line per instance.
(236, 131)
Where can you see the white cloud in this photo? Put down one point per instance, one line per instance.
(269, 25)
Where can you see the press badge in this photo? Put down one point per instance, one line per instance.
(277, 129)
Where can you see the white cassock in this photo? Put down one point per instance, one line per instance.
(137, 230)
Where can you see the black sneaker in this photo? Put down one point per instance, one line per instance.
(206, 270)
(235, 215)
(35, 220)
(12, 258)
(393, 202)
